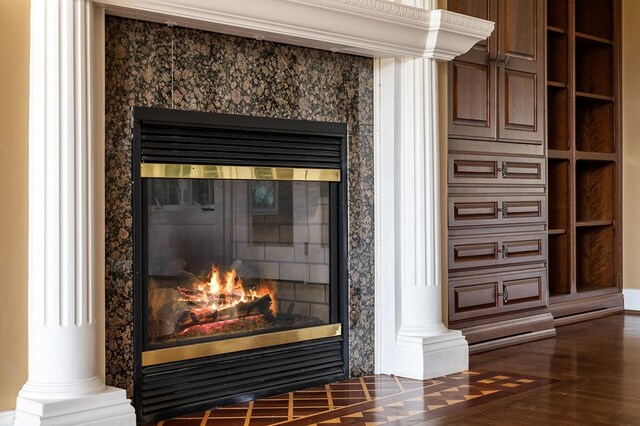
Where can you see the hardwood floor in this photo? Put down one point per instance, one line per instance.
(589, 374)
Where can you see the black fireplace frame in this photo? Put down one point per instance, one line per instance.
(200, 138)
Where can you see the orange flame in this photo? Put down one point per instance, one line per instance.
(219, 292)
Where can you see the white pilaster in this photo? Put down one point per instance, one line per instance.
(63, 386)
(424, 346)
(413, 341)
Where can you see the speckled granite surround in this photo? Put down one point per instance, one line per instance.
(220, 73)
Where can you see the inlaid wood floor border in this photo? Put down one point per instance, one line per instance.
(369, 401)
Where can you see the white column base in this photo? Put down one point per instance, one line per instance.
(427, 357)
(108, 408)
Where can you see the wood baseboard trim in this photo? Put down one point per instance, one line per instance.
(510, 332)
(511, 341)
(559, 322)
(586, 309)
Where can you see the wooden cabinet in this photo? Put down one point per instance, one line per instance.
(496, 90)
(497, 204)
(583, 144)
(497, 293)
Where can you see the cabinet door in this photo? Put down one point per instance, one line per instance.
(521, 71)
(495, 170)
(496, 250)
(472, 80)
(496, 210)
(496, 294)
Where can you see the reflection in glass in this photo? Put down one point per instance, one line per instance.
(235, 257)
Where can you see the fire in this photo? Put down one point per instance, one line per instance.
(224, 291)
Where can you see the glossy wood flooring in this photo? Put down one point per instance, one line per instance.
(589, 374)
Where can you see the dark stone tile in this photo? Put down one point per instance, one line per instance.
(220, 73)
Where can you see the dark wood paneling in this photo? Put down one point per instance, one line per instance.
(496, 210)
(495, 170)
(472, 98)
(520, 111)
(595, 191)
(496, 250)
(520, 28)
(485, 296)
(521, 75)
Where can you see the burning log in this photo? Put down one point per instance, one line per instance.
(196, 316)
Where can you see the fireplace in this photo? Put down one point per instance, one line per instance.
(239, 258)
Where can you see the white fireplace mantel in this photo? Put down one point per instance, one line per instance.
(375, 28)
(65, 383)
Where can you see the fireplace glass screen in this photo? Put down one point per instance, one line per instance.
(227, 258)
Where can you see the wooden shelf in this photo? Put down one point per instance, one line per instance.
(595, 191)
(594, 17)
(593, 223)
(556, 85)
(586, 38)
(594, 96)
(596, 156)
(595, 257)
(557, 15)
(557, 231)
(583, 148)
(556, 30)
(558, 154)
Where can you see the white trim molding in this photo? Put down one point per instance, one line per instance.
(631, 299)
(65, 383)
(375, 28)
(6, 418)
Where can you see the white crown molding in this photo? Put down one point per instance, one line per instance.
(376, 28)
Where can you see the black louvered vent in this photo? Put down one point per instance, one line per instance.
(195, 385)
(228, 141)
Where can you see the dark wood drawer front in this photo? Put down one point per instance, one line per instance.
(524, 290)
(486, 169)
(473, 253)
(476, 297)
(475, 169)
(522, 170)
(525, 248)
(496, 250)
(496, 210)
(483, 296)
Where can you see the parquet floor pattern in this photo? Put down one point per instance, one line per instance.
(368, 401)
(587, 375)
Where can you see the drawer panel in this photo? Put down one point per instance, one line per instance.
(522, 170)
(498, 169)
(482, 296)
(474, 297)
(496, 210)
(496, 250)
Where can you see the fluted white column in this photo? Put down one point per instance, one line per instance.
(425, 348)
(63, 386)
(412, 340)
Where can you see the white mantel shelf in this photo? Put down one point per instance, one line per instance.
(375, 28)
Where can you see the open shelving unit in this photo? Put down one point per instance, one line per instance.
(583, 148)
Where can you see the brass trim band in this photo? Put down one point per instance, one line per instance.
(220, 347)
(197, 171)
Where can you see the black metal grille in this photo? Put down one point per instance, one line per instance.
(227, 140)
(196, 385)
